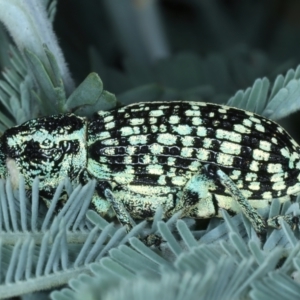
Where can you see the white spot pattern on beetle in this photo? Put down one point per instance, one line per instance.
(157, 153)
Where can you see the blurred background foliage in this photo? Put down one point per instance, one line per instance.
(204, 50)
(177, 44)
(178, 49)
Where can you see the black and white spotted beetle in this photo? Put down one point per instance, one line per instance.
(183, 156)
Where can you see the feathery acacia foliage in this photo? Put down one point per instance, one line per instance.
(42, 249)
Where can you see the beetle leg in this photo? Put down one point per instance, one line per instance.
(251, 213)
(126, 220)
(196, 200)
(290, 219)
(120, 210)
(47, 197)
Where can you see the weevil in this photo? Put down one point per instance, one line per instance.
(191, 157)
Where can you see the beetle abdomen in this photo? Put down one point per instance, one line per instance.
(165, 143)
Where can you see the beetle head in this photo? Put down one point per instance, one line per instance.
(51, 148)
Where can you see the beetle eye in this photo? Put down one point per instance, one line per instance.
(46, 144)
(36, 151)
(295, 220)
(32, 149)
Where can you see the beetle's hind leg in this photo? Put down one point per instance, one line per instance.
(251, 213)
(290, 219)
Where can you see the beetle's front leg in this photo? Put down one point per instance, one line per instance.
(47, 196)
(106, 204)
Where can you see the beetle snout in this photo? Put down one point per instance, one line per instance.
(3, 170)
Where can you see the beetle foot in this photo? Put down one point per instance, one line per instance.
(152, 240)
(292, 220)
